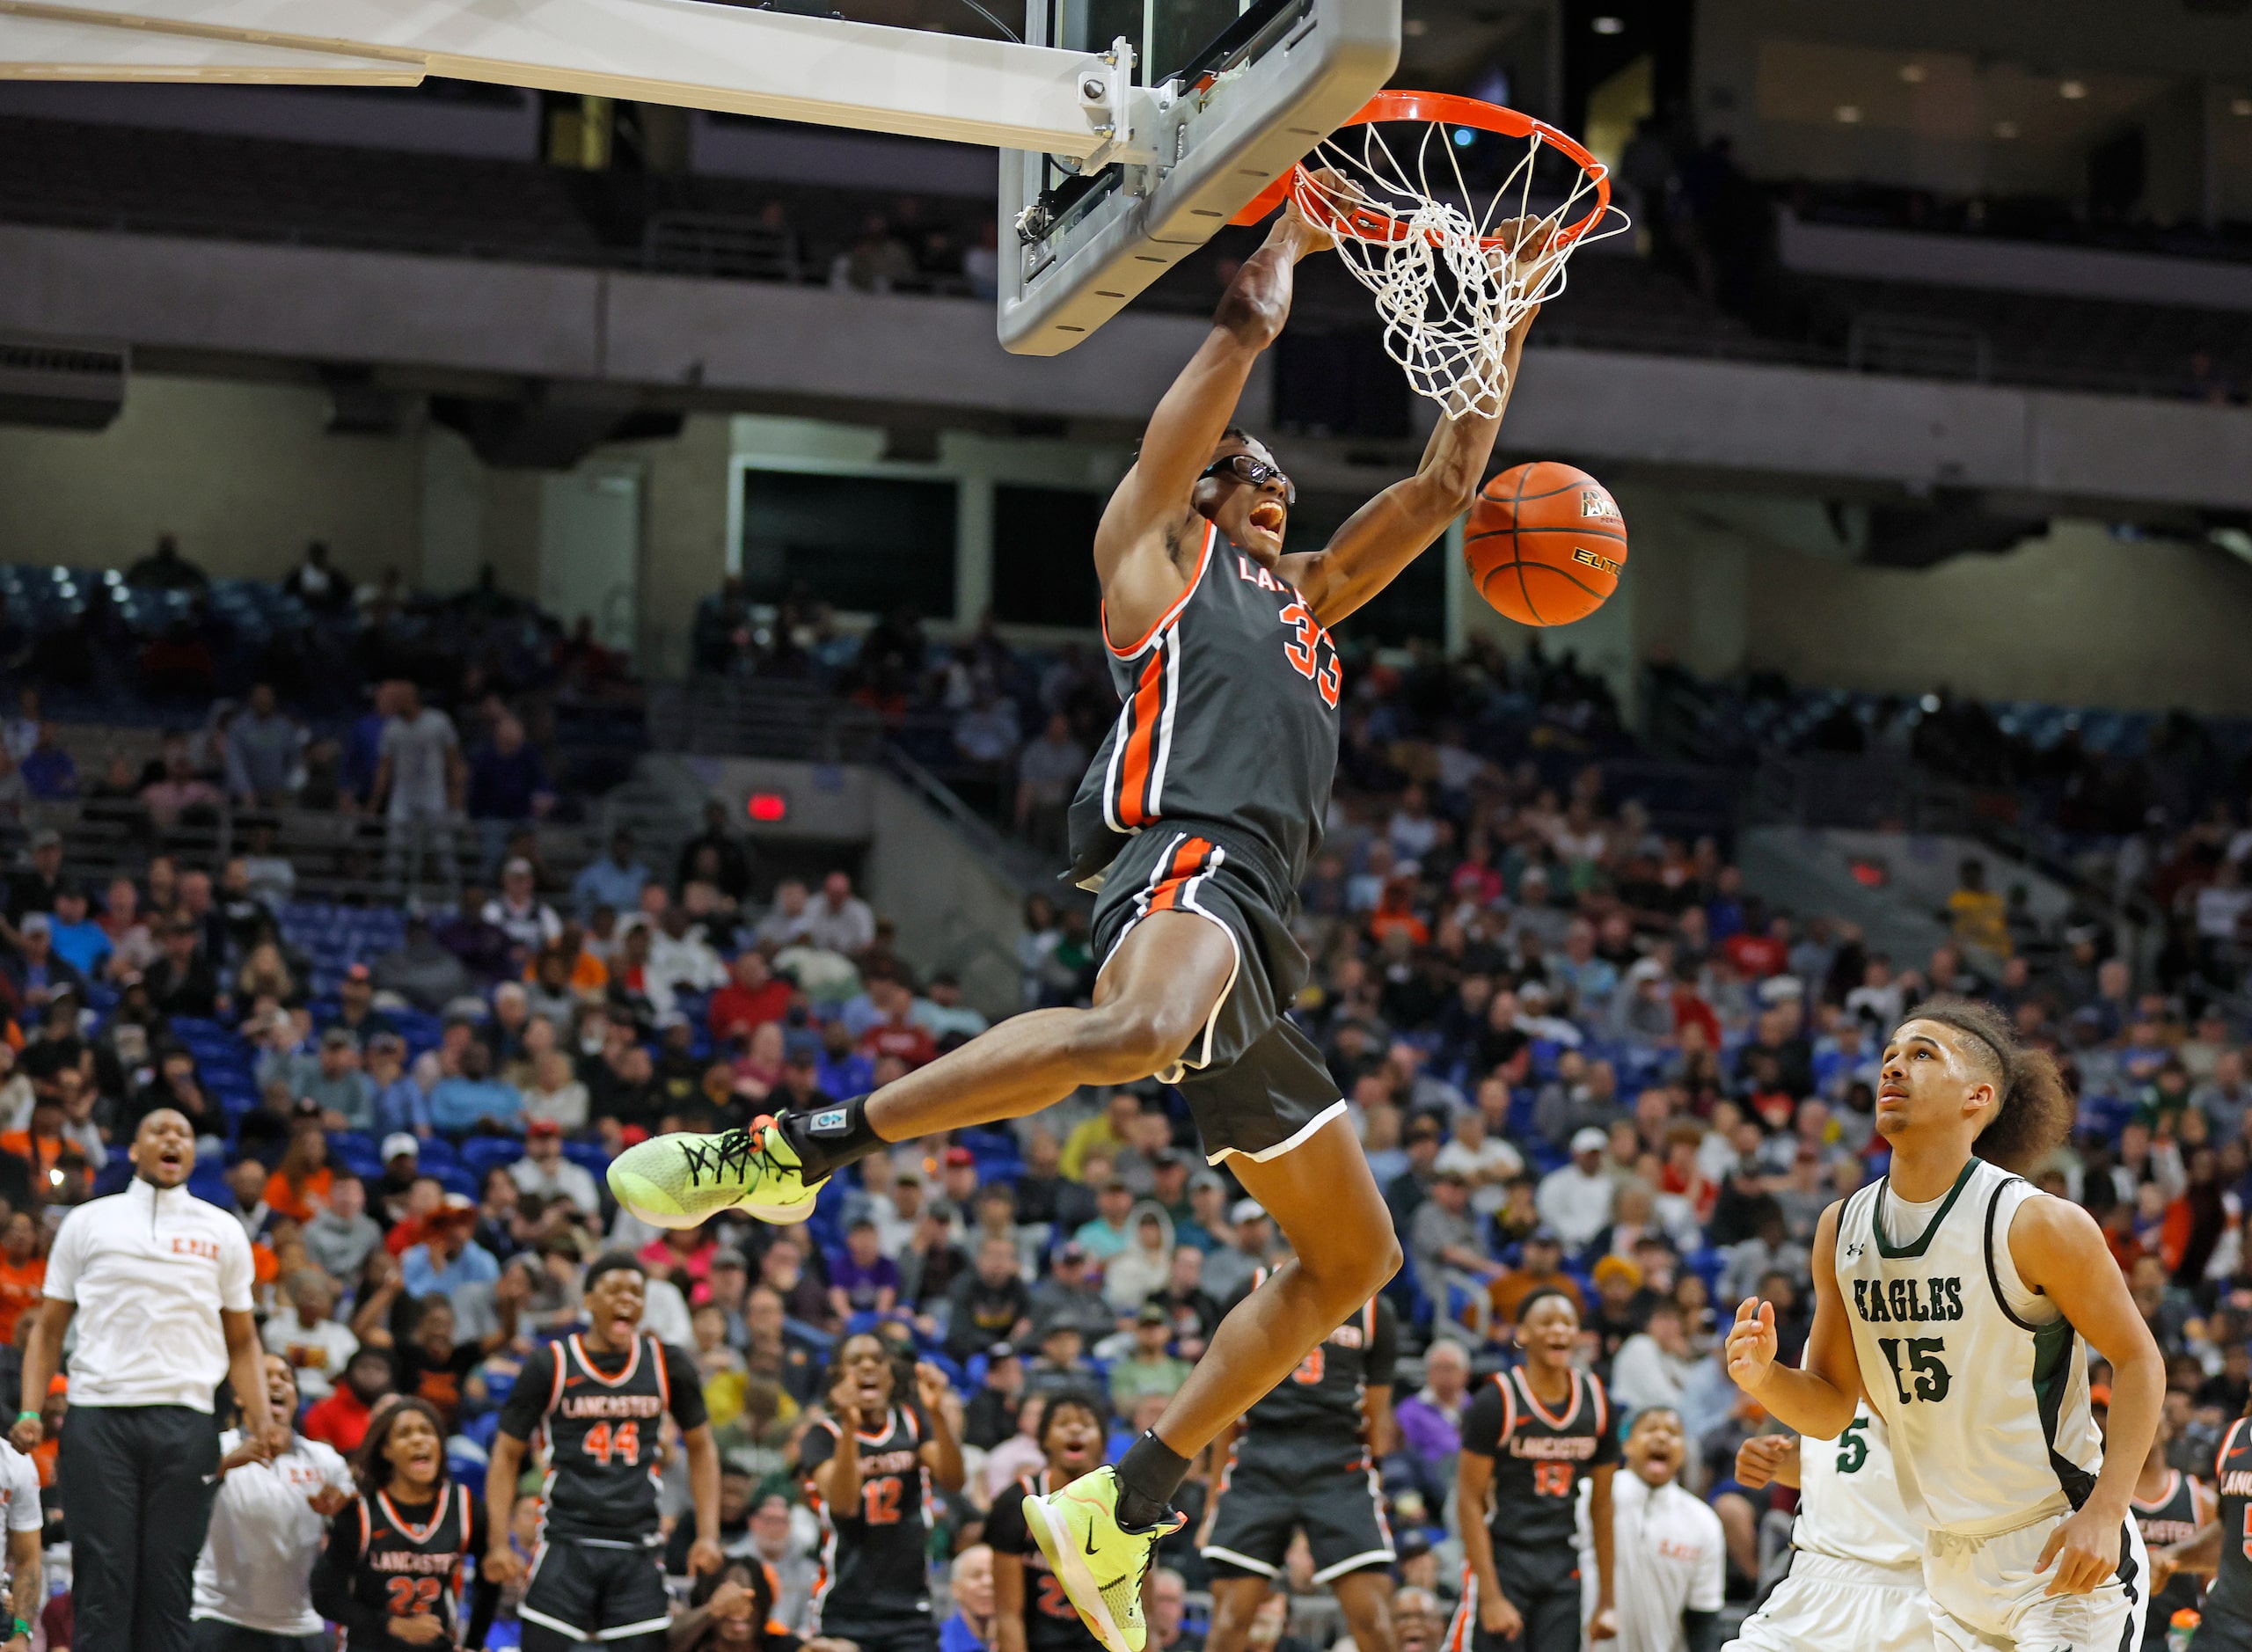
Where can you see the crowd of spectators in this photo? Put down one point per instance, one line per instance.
(1579, 1054)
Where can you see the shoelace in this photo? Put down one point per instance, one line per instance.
(730, 1153)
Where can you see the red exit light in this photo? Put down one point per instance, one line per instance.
(767, 807)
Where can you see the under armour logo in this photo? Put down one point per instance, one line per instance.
(1853, 1251)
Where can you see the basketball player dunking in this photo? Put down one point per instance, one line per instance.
(1196, 822)
(1955, 1294)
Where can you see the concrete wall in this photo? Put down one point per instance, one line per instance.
(920, 357)
(244, 473)
(955, 910)
(2077, 618)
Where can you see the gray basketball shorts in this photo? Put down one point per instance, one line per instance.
(1254, 1084)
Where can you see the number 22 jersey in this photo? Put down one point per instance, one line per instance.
(1981, 1383)
(1540, 1456)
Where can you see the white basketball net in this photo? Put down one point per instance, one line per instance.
(1448, 299)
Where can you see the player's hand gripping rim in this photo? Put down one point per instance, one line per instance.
(2085, 1546)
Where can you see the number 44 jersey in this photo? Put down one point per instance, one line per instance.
(1849, 1506)
(1981, 1382)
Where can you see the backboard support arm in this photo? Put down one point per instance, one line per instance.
(735, 59)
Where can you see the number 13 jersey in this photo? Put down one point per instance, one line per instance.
(1980, 1380)
(1539, 1459)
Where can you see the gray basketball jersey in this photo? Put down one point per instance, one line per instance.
(1230, 714)
(1981, 1383)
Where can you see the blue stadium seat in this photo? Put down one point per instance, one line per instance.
(452, 1178)
(590, 1155)
(480, 1154)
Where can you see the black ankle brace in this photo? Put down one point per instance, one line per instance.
(1149, 1472)
(826, 1140)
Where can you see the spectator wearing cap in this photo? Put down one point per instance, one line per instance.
(1444, 1237)
(942, 1014)
(1575, 1198)
(340, 1236)
(448, 1257)
(356, 1004)
(991, 1415)
(77, 939)
(1150, 1367)
(1109, 1233)
(31, 888)
(530, 924)
(1206, 1225)
(545, 1172)
(343, 1093)
(473, 1099)
(395, 1190)
(1064, 1297)
(753, 996)
(1407, 1190)
(958, 1178)
(1228, 1269)
(396, 1104)
(614, 881)
(34, 972)
(184, 981)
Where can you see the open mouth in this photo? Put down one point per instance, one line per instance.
(1268, 516)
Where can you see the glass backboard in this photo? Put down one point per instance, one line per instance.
(1227, 96)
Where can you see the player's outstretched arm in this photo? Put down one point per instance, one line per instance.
(2060, 1252)
(1401, 522)
(1818, 1399)
(1132, 556)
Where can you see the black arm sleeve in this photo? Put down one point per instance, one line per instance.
(1482, 1424)
(1384, 1353)
(526, 1406)
(333, 1597)
(484, 1597)
(1701, 1630)
(687, 1385)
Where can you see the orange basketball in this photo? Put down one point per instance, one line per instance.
(1545, 543)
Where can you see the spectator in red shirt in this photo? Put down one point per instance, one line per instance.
(1759, 956)
(753, 997)
(341, 1419)
(896, 1035)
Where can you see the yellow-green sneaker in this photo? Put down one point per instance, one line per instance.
(1100, 1563)
(683, 1180)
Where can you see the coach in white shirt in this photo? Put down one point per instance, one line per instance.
(254, 1581)
(1670, 1557)
(160, 1284)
